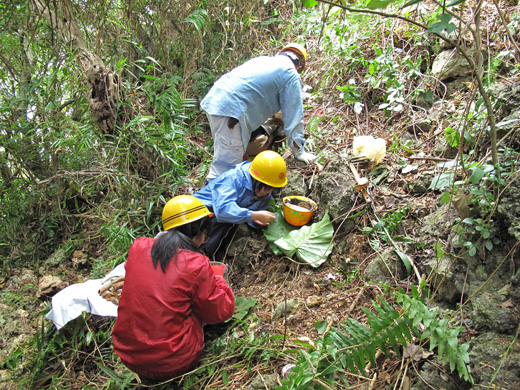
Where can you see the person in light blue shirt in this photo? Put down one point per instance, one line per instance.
(246, 97)
(241, 195)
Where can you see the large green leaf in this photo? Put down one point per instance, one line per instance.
(279, 228)
(311, 244)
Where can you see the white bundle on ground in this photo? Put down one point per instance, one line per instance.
(372, 148)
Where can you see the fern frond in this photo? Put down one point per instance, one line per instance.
(350, 347)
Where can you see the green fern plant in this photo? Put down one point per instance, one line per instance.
(352, 346)
(11, 299)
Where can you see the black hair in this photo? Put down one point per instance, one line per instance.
(169, 242)
(258, 186)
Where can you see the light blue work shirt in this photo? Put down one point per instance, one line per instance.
(231, 197)
(255, 91)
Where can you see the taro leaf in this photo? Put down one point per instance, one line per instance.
(242, 306)
(311, 244)
(279, 228)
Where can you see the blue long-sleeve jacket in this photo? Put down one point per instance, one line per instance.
(255, 91)
(230, 196)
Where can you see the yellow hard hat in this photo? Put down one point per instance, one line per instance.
(298, 210)
(296, 47)
(183, 209)
(269, 168)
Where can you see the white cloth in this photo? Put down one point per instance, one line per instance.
(70, 302)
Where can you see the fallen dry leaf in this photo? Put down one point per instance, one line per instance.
(506, 304)
(416, 352)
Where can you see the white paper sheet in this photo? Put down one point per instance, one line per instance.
(73, 300)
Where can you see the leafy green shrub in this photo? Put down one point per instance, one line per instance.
(475, 227)
(475, 234)
(394, 219)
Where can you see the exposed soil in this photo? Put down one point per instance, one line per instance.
(328, 294)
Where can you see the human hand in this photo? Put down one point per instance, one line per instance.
(263, 217)
(306, 157)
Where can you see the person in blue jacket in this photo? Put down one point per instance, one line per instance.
(246, 97)
(241, 195)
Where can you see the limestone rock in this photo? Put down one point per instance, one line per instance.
(450, 64)
(49, 285)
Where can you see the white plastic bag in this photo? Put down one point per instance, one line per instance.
(372, 148)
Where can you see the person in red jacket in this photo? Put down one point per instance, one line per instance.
(170, 291)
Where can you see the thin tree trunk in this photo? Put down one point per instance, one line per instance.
(104, 83)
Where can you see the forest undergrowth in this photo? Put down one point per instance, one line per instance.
(76, 193)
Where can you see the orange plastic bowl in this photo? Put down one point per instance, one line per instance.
(298, 210)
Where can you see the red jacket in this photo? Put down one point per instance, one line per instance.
(160, 315)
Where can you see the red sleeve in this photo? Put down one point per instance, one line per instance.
(214, 301)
